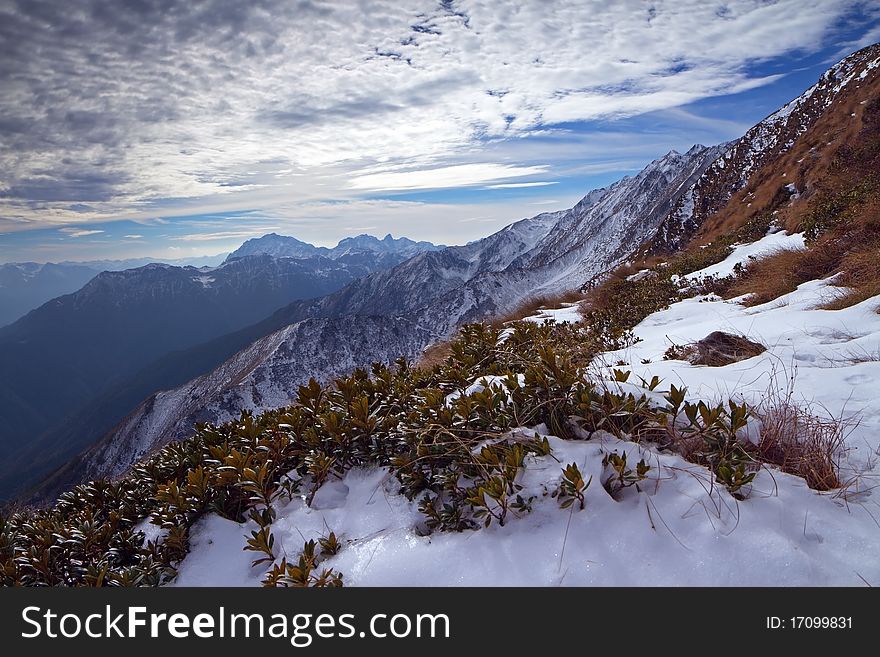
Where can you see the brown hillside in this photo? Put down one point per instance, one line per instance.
(825, 183)
(837, 156)
(837, 167)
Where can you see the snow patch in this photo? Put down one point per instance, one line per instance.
(745, 252)
(567, 312)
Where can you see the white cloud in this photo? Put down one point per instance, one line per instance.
(79, 232)
(461, 175)
(226, 235)
(542, 183)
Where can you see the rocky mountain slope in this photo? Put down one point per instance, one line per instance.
(265, 375)
(766, 142)
(428, 297)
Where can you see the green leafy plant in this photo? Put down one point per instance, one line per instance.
(571, 487)
(330, 544)
(262, 541)
(621, 476)
(304, 573)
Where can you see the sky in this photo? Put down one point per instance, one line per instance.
(181, 128)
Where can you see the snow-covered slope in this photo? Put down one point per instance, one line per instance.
(416, 283)
(680, 528)
(828, 359)
(279, 246)
(599, 232)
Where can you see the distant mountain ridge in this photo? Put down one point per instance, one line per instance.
(424, 299)
(27, 285)
(281, 246)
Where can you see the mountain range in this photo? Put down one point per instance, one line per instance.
(423, 300)
(28, 285)
(282, 246)
(78, 347)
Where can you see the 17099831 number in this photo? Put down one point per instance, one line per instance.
(809, 623)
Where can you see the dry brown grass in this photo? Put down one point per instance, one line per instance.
(840, 205)
(860, 274)
(533, 304)
(690, 446)
(435, 354)
(821, 159)
(801, 442)
(778, 273)
(850, 297)
(854, 255)
(835, 167)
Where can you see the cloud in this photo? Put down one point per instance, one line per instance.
(128, 109)
(522, 184)
(223, 235)
(134, 237)
(79, 232)
(461, 175)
